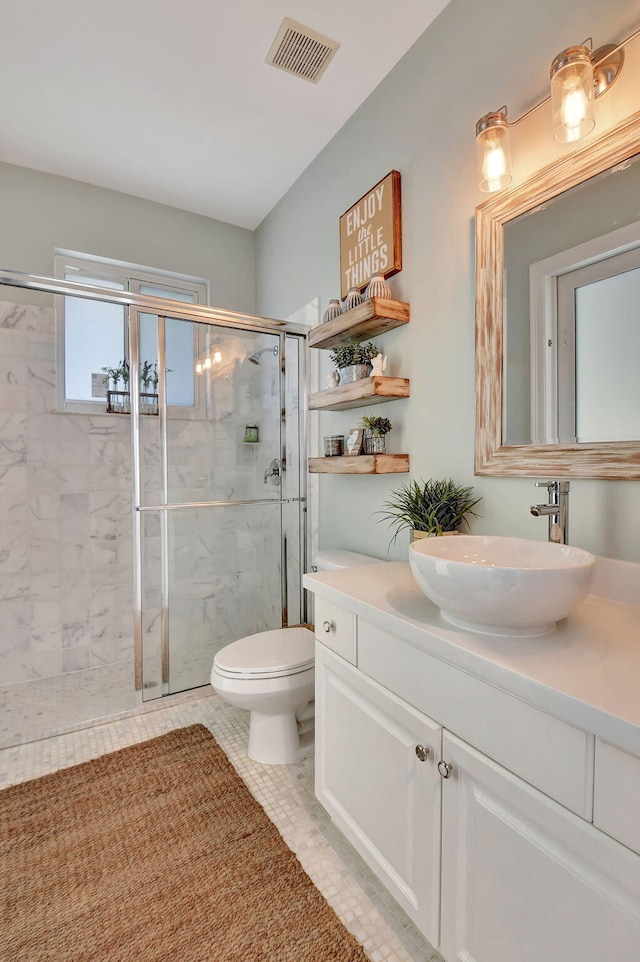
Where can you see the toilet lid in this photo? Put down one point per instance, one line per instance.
(284, 651)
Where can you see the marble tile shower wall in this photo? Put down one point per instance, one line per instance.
(66, 559)
(65, 516)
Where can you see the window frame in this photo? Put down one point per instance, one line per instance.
(133, 276)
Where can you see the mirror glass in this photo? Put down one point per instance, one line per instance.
(557, 327)
(571, 350)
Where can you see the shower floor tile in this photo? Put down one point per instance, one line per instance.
(286, 793)
(49, 706)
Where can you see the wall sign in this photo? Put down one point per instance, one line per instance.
(371, 235)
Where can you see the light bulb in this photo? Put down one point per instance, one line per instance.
(207, 363)
(198, 368)
(494, 165)
(572, 94)
(493, 155)
(217, 357)
(574, 108)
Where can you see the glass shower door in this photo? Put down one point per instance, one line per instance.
(212, 496)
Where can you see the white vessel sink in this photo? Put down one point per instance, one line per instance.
(502, 586)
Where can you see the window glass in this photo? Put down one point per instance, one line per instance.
(94, 338)
(179, 345)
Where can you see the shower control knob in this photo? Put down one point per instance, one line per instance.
(445, 769)
(422, 752)
(328, 626)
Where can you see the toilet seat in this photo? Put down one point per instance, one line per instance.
(269, 654)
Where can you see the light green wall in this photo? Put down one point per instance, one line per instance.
(39, 212)
(420, 120)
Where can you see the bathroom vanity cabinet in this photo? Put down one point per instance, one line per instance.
(500, 810)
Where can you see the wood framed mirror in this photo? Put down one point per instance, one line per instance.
(500, 450)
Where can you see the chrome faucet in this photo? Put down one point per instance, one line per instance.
(557, 510)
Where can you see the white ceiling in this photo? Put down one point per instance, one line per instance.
(173, 101)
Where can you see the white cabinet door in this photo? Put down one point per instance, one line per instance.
(378, 791)
(524, 879)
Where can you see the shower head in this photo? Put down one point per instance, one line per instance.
(255, 358)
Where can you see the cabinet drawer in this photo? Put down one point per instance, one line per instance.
(549, 754)
(616, 801)
(336, 628)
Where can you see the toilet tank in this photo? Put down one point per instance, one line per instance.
(335, 558)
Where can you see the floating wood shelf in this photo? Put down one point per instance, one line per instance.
(368, 390)
(361, 464)
(372, 317)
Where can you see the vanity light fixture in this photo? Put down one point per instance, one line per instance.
(578, 77)
(493, 151)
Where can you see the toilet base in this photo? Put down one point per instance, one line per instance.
(275, 740)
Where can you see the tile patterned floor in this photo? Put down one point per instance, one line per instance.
(285, 792)
(49, 706)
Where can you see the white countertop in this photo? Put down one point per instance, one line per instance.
(586, 671)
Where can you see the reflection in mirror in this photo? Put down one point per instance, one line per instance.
(572, 336)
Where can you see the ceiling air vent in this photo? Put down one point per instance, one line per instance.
(301, 51)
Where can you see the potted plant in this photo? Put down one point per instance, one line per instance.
(147, 405)
(430, 508)
(146, 373)
(376, 430)
(353, 360)
(111, 379)
(124, 373)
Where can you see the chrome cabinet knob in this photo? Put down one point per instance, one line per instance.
(445, 769)
(328, 626)
(422, 752)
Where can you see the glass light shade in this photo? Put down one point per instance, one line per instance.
(493, 153)
(572, 95)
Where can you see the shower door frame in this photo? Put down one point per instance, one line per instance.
(259, 327)
(198, 313)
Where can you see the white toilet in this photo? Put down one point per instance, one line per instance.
(271, 674)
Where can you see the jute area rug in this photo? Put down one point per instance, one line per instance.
(156, 852)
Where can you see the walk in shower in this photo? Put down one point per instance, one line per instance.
(135, 545)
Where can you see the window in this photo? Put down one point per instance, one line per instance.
(94, 335)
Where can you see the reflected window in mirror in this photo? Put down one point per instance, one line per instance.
(542, 249)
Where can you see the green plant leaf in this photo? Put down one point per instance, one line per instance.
(344, 355)
(432, 506)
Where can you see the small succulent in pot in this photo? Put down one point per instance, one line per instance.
(376, 430)
(376, 425)
(431, 507)
(353, 360)
(344, 355)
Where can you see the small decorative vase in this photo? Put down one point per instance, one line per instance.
(377, 287)
(375, 444)
(333, 310)
(354, 372)
(353, 298)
